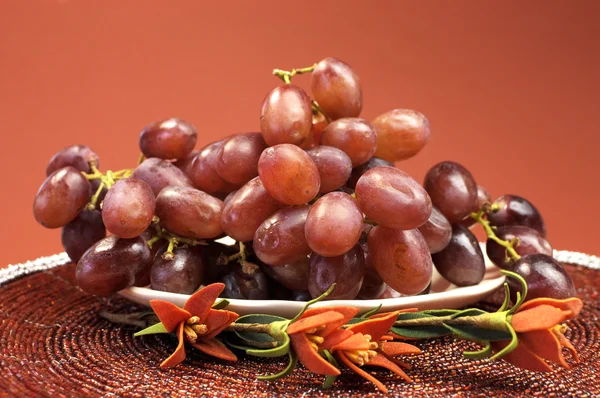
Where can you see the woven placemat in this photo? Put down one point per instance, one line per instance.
(53, 343)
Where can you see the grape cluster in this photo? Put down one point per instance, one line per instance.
(312, 199)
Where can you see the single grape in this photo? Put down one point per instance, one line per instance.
(111, 264)
(280, 238)
(237, 160)
(356, 137)
(301, 296)
(240, 285)
(289, 174)
(293, 276)
(530, 242)
(247, 209)
(202, 171)
(401, 258)
(483, 197)
(286, 116)
(545, 277)
(373, 286)
(77, 156)
(182, 274)
(188, 212)
(461, 262)
(81, 233)
(357, 172)
(346, 271)
(61, 197)
(333, 164)
(128, 208)
(437, 231)
(183, 163)
(401, 134)
(515, 210)
(452, 189)
(336, 88)
(142, 277)
(392, 198)
(159, 174)
(168, 139)
(334, 224)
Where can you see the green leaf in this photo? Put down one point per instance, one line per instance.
(282, 349)
(469, 312)
(483, 353)
(468, 332)
(259, 318)
(510, 347)
(154, 329)
(329, 380)
(256, 336)
(293, 361)
(440, 312)
(413, 315)
(219, 305)
(420, 332)
(239, 345)
(506, 298)
(372, 311)
(354, 321)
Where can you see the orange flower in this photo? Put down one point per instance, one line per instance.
(540, 333)
(319, 329)
(197, 322)
(370, 345)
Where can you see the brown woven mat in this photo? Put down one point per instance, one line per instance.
(52, 343)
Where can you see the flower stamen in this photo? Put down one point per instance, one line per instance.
(200, 329)
(315, 339)
(190, 334)
(192, 320)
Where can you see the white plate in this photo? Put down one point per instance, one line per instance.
(443, 295)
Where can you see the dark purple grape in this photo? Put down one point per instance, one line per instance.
(182, 274)
(128, 208)
(81, 233)
(280, 238)
(61, 197)
(437, 231)
(461, 262)
(216, 267)
(247, 209)
(293, 276)
(356, 137)
(142, 277)
(77, 156)
(545, 277)
(202, 170)
(452, 189)
(357, 172)
(401, 134)
(240, 285)
(392, 198)
(483, 197)
(530, 242)
(515, 210)
(237, 160)
(401, 258)
(111, 265)
(168, 139)
(159, 174)
(336, 88)
(334, 224)
(346, 271)
(373, 286)
(389, 293)
(333, 164)
(286, 116)
(301, 296)
(188, 212)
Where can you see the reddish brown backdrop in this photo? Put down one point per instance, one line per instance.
(511, 89)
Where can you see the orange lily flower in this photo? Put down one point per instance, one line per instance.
(540, 333)
(319, 329)
(370, 345)
(197, 323)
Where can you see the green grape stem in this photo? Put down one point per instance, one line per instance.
(317, 108)
(107, 180)
(508, 245)
(286, 76)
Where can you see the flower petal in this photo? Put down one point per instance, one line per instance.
(179, 354)
(573, 304)
(361, 372)
(347, 313)
(376, 327)
(354, 342)
(335, 337)
(565, 342)
(544, 344)
(313, 321)
(200, 302)
(310, 358)
(215, 348)
(541, 317)
(218, 322)
(395, 348)
(522, 358)
(383, 362)
(169, 314)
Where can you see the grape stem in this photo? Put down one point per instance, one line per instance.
(508, 245)
(107, 180)
(286, 76)
(317, 108)
(174, 240)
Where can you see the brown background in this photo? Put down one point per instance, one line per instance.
(511, 89)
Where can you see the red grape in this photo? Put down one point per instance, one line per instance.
(237, 160)
(483, 197)
(293, 276)
(391, 198)
(81, 233)
(357, 172)
(346, 271)
(373, 286)
(61, 197)
(77, 156)
(182, 274)
(545, 277)
(240, 285)
(334, 166)
(437, 231)
(336, 88)
(159, 174)
(461, 262)
(286, 116)
(142, 277)
(401, 134)
(202, 171)
(128, 208)
(334, 224)
(168, 139)
(289, 174)
(356, 137)
(515, 210)
(530, 242)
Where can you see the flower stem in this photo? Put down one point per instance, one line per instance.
(508, 245)
(286, 76)
(489, 321)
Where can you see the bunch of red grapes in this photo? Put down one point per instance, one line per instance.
(312, 199)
